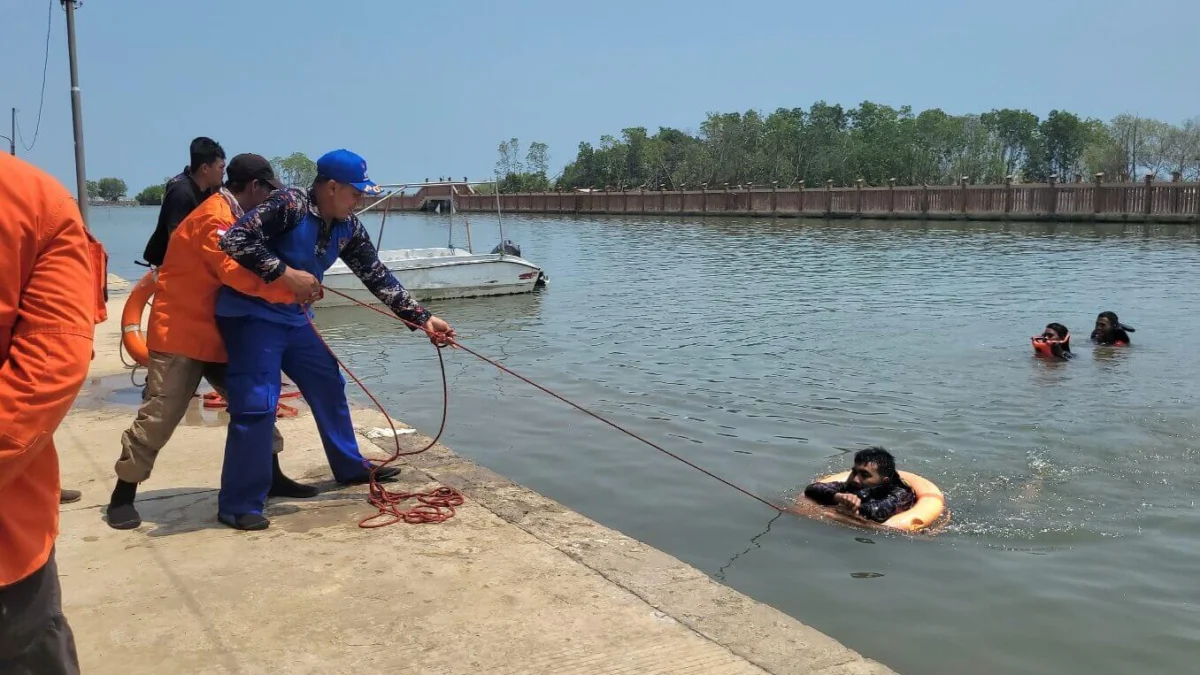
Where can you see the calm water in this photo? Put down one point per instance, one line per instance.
(768, 350)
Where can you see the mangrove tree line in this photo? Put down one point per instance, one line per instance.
(872, 142)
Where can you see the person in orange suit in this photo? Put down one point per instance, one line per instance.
(48, 309)
(183, 340)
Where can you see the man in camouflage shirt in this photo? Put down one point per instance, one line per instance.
(295, 236)
(873, 491)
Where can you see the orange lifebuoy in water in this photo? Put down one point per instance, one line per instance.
(1044, 346)
(131, 319)
(929, 508)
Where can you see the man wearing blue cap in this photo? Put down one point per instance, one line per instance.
(295, 236)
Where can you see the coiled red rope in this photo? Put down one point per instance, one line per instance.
(445, 405)
(435, 506)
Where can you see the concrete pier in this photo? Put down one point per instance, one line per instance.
(514, 583)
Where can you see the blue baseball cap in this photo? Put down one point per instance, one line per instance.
(344, 166)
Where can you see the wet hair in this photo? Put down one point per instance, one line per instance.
(1114, 322)
(205, 150)
(320, 180)
(1059, 328)
(883, 461)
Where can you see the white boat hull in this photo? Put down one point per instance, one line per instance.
(439, 274)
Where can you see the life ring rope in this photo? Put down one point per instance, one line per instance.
(132, 338)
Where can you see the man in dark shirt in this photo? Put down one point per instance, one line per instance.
(184, 193)
(1110, 331)
(874, 490)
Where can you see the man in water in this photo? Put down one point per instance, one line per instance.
(295, 236)
(1057, 339)
(1110, 331)
(183, 340)
(874, 490)
(199, 179)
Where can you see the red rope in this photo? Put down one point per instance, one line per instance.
(445, 400)
(435, 506)
(213, 400)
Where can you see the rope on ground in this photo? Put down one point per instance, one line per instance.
(445, 399)
(437, 505)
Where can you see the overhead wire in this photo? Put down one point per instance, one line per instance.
(42, 98)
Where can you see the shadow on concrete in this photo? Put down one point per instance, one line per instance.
(181, 510)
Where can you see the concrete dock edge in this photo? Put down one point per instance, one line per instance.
(757, 632)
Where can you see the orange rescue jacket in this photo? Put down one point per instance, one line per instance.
(182, 318)
(47, 313)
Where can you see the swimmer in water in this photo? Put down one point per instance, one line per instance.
(874, 491)
(1110, 331)
(1054, 341)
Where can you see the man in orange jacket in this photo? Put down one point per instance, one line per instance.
(47, 321)
(182, 339)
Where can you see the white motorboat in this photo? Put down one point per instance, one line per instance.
(441, 273)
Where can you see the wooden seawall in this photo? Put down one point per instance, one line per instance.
(1146, 201)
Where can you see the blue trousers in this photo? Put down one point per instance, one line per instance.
(258, 351)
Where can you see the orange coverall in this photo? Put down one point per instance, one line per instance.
(47, 319)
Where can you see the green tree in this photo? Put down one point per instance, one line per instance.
(111, 189)
(1128, 139)
(295, 170)
(668, 154)
(1184, 149)
(537, 160)
(1016, 131)
(93, 189)
(1060, 144)
(1163, 149)
(874, 142)
(1106, 155)
(877, 140)
(511, 172)
(509, 162)
(583, 172)
(151, 195)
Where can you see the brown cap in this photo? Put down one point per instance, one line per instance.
(249, 167)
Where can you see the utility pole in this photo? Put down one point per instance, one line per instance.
(76, 111)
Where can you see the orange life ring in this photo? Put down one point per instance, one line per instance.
(1044, 346)
(131, 319)
(929, 509)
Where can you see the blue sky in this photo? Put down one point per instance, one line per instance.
(426, 89)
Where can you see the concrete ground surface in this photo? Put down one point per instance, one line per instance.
(514, 583)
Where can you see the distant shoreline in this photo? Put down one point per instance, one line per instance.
(101, 202)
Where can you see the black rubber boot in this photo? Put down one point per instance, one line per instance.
(246, 521)
(121, 513)
(384, 475)
(282, 486)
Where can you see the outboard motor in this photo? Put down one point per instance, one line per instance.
(508, 248)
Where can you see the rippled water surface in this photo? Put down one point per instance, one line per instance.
(767, 351)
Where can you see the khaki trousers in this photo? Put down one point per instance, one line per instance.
(171, 382)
